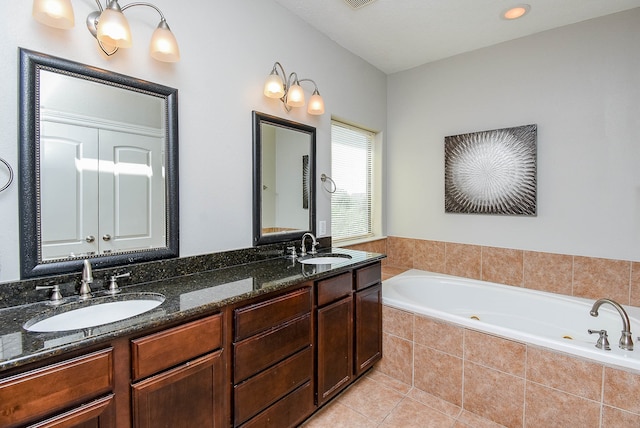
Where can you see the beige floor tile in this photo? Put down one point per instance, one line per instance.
(371, 399)
(337, 415)
(388, 381)
(435, 402)
(412, 414)
(470, 420)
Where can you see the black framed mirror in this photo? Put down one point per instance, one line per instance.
(98, 167)
(284, 165)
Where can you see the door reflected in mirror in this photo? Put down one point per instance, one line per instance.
(107, 156)
(98, 160)
(284, 170)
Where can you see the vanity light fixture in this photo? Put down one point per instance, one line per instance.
(516, 12)
(290, 92)
(109, 26)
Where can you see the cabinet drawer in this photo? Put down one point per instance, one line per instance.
(40, 392)
(262, 390)
(159, 351)
(334, 288)
(254, 319)
(368, 276)
(288, 412)
(259, 352)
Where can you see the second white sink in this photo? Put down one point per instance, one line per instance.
(326, 259)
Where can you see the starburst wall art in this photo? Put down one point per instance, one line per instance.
(491, 172)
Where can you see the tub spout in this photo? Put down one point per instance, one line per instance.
(626, 342)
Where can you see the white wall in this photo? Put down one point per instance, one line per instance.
(228, 48)
(581, 85)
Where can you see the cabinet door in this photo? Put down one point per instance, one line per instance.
(190, 395)
(335, 348)
(368, 327)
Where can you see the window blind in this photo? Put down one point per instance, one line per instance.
(351, 170)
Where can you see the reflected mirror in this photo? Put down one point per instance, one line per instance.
(98, 166)
(283, 179)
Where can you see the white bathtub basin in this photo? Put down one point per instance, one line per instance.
(551, 320)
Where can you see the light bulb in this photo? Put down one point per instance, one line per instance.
(273, 87)
(54, 13)
(316, 104)
(164, 46)
(295, 96)
(113, 27)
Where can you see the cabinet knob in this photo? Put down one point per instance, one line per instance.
(106, 237)
(90, 238)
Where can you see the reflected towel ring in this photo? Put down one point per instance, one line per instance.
(324, 179)
(10, 174)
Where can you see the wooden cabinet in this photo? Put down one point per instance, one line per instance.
(269, 362)
(368, 317)
(273, 361)
(349, 328)
(179, 376)
(77, 392)
(335, 335)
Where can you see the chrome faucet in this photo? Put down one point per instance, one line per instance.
(314, 244)
(87, 279)
(626, 342)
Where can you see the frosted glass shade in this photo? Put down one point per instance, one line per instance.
(164, 46)
(273, 86)
(316, 104)
(295, 96)
(54, 13)
(113, 29)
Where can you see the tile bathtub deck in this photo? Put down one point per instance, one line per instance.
(378, 401)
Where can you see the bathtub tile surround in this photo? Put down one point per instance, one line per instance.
(552, 388)
(558, 371)
(588, 277)
(596, 278)
(502, 265)
(520, 386)
(548, 272)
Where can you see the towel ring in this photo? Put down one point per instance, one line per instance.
(10, 174)
(324, 179)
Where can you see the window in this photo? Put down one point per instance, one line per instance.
(352, 161)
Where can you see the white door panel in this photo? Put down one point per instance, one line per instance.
(135, 169)
(69, 189)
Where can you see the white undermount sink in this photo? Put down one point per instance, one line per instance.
(95, 312)
(325, 259)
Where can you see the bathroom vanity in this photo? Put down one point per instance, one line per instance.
(263, 344)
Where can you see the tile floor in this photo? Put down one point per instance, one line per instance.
(377, 400)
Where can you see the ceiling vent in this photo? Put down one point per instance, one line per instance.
(357, 4)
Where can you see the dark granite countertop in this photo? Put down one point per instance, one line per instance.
(186, 296)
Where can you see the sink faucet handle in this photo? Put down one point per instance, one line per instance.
(292, 252)
(56, 295)
(603, 341)
(113, 282)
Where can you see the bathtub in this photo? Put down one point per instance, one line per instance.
(549, 320)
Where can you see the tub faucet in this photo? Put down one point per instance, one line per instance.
(314, 243)
(85, 283)
(626, 342)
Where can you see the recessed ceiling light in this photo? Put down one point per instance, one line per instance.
(516, 12)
